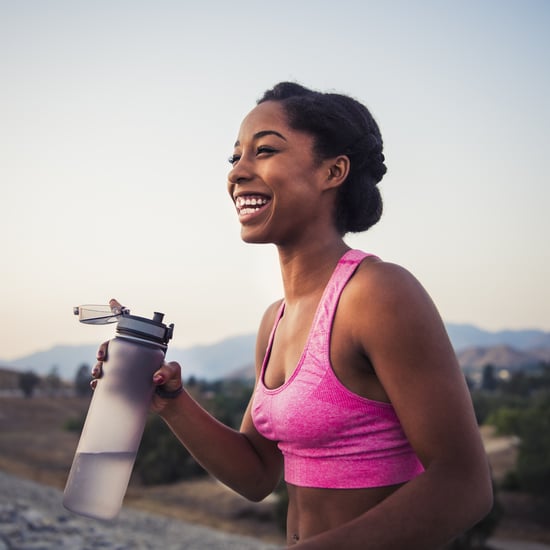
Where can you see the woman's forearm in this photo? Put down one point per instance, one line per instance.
(227, 454)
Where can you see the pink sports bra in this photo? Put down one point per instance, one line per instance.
(331, 437)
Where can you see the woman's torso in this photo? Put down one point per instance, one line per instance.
(312, 510)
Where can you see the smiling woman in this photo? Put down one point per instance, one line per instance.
(275, 163)
(359, 401)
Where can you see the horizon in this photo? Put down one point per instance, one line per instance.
(5, 361)
(118, 120)
(475, 348)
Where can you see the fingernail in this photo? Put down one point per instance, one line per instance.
(100, 353)
(158, 379)
(95, 371)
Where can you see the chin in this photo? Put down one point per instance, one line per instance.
(251, 237)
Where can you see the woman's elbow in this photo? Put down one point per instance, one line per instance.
(485, 497)
(257, 488)
(258, 492)
(479, 499)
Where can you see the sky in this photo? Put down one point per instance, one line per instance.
(117, 118)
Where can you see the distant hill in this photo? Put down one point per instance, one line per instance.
(234, 356)
(503, 357)
(468, 336)
(209, 362)
(217, 360)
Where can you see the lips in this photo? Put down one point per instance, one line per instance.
(250, 204)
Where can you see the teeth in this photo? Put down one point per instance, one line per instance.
(241, 202)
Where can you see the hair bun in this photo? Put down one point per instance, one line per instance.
(366, 154)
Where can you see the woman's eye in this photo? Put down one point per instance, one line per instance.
(264, 149)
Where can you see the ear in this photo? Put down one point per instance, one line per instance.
(338, 170)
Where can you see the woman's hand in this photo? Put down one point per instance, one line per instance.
(97, 370)
(167, 379)
(168, 385)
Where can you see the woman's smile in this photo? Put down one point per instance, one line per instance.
(250, 205)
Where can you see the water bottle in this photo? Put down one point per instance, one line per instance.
(118, 410)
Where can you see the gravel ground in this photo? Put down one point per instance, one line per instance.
(33, 518)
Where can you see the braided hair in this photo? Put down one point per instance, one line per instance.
(340, 125)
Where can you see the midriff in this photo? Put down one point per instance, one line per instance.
(312, 511)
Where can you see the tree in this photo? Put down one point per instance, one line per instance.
(28, 381)
(533, 467)
(489, 380)
(53, 381)
(523, 409)
(162, 458)
(82, 381)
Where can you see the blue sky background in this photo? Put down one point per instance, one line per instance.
(117, 118)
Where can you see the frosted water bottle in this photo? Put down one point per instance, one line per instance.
(114, 424)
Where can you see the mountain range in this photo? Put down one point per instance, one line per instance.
(234, 356)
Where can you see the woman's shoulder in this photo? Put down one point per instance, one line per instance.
(384, 304)
(377, 275)
(381, 289)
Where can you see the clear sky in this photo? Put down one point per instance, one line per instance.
(117, 117)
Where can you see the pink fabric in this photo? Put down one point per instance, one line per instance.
(331, 437)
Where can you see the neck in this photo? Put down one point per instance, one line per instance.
(306, 270)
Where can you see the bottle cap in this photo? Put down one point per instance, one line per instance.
(99, 314)
(153, 330)
(128, 326)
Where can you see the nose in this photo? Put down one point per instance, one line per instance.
(241, 173)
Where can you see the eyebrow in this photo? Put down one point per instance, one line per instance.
(263, 133)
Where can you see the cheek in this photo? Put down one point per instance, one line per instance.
(288, 176)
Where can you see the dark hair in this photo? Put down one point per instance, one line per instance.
(340, 125)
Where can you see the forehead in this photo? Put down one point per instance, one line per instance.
(269, 115)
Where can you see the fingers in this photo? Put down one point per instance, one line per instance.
(168, 386)
(97, 370)
(102, 352)
(115, 305)
(169, 376)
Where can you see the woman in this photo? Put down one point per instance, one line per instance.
(359, 400)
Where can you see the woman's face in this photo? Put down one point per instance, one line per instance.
(275, 180)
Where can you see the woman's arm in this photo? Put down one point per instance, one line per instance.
(395, 324)
(244, 460)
